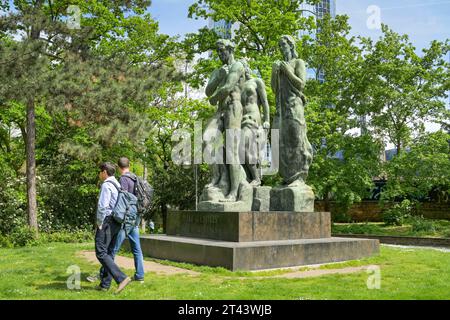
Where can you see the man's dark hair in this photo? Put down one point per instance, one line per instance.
(109, 167)
(123, 163)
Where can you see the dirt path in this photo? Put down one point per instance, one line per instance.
(160, 269)
(128, 264)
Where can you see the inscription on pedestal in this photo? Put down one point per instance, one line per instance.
(206, 221)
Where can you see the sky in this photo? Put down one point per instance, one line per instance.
(422, 20)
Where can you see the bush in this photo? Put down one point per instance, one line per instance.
(12, 204)
(78, 236)
(447, 234)
(24, 236)
(420, 224)
(356, 228)
(5, 242)
(398, 214)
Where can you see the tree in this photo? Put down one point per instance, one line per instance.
(346, 159)
(171, 113)
(404, 90)
(73, 73)
(333, 107)
(421, 172)
(261, 23)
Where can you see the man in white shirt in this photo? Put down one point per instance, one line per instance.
(107, 230)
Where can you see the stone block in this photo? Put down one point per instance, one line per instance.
(296, 198)
(261, 199)
(257, 255)
(249, 226)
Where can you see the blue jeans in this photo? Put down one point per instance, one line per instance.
(135, 244)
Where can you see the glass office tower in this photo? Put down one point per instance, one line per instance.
(318, 11)
(222, 28)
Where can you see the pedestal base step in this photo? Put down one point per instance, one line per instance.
(257, 255)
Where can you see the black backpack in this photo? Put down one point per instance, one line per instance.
(144, 193)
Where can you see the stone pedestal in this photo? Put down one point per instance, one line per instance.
(298, 198)
(257, 255)
(261, 199)
(253, 240)
(249, 226)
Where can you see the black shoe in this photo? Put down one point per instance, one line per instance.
(100, 288)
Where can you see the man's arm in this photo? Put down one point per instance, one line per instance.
(235, 74)
(103, 203)
(274, 79)
(213, 82)
(298, 75)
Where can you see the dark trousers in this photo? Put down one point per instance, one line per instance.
(105, 240)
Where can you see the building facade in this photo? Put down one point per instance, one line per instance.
(222, 28)
(321, 9)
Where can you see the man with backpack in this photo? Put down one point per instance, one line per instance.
(130, 183)
(108, 229)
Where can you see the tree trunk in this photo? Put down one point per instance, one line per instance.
(327, 202)
(398, 147)
(31, 166)
(34, 35)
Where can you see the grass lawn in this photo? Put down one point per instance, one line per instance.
(40, 273)
(430, 229)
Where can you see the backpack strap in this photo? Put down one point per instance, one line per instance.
(130, 175)
(118, 189)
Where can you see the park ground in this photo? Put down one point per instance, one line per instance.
(40, 272)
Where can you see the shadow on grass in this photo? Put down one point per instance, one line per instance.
(60, 283)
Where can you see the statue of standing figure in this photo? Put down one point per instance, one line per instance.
(253, 136)
(295, 151)
(288, 83)
(224, 90)
(238, 96)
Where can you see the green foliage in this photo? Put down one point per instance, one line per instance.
(447, 234)
(26, 237)
(398, 214)
(91, 88)
(5, 242)
(414, 226)
(356, 228)
(174, 184)
(261, 24)
(22, 236)
(12, 204)
(422, 171)
(420, 224)
(66, 236)
(68, 195)
(403, 89)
